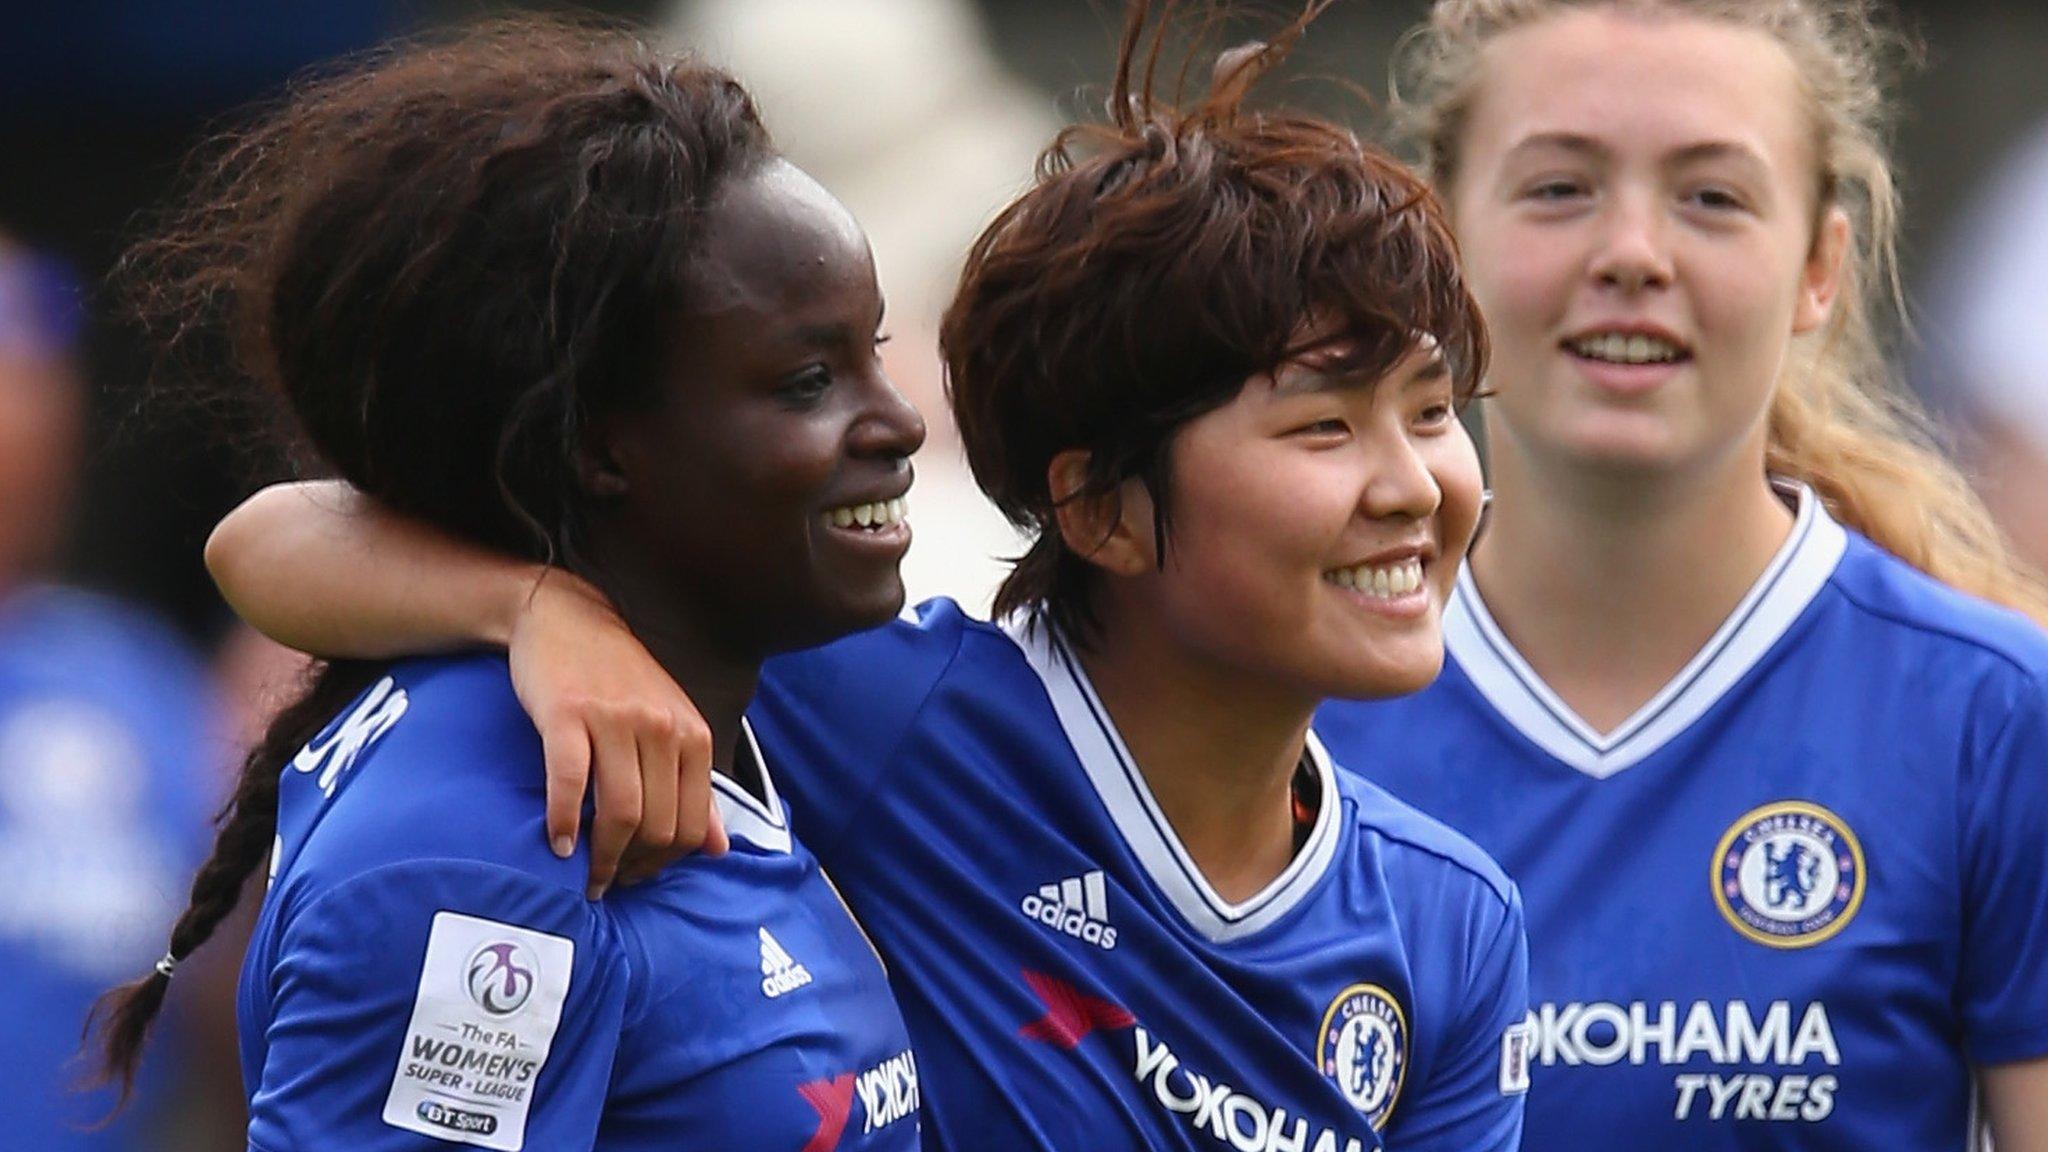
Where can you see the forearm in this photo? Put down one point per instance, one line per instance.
(2016, 1096)
(322, 568)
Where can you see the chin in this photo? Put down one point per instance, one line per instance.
(1391, 675)
(873, 607)
(840, 613)
(1623, 455)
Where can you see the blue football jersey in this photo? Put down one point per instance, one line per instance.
(1070, 979)
(1791, 901)
(108, 772)
(426, 973)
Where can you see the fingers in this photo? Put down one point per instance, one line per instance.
(565, 746)
(677, 773)
(716, 842)
(619, 802)
(656, 745)
(696, 811)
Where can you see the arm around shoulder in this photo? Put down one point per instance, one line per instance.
(322, 568)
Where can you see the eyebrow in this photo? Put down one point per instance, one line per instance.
(1434, 369)
(830, 334)
(1311, 380)
(1588, 146)
(818, 335)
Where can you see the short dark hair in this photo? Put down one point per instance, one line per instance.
(1159, 261)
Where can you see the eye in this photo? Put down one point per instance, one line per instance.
(1554, 189)
(1437, 414)
(882, 338)
(1717, 199)
(807, 386)
(1327, 429)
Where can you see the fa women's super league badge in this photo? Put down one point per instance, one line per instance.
(1363, 1046)
(1789, 874)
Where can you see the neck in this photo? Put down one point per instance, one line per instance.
(718, 676)
(1607, 584)
(1217, 748)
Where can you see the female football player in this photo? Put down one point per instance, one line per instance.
(1212, 358)
(556, 295)
(1725, 696)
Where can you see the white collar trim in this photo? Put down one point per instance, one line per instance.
(1788, 584)
(1131, 806)
(746, 817)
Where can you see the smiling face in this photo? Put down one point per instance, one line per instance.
(1636, 200)
(1318, 522)
(765, 483)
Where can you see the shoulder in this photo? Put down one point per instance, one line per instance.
(916, 647)
(887, 673)
(1423, 845)
(1914, 615)
(466, 697)
(435, 761)
(435, 726)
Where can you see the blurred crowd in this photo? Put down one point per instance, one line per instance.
(119, 729)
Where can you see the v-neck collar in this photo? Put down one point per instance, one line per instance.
(1788, 584)
(756, 819)
(1136, 813)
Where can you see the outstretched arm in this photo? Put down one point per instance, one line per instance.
(322, 568)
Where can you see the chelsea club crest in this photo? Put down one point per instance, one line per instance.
(1789, 874)
(1363, 1046)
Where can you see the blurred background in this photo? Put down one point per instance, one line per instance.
(124, 693)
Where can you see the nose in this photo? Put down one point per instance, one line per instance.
(1402, 485)
(890, 427)
(1632, 254)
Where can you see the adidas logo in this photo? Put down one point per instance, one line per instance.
(1077, 906)
(780, 972)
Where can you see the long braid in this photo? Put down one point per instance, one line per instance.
(247, 826)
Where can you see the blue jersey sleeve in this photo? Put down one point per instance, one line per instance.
(1473, 1100)
(830, 719)
(435, 1003)
(2003, 846)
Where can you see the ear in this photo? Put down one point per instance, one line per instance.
(596, 459)
(1113, 530)
(1820, 282)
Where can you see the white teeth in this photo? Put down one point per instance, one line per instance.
(1383, 582)
(1617, 348)
(874, 514)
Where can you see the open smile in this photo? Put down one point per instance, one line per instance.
(878, 527)
(873, 516)
(1395, 585)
